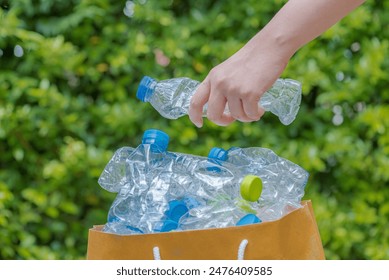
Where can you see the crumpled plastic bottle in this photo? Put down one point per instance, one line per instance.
(283, 181)
(210, 188)
(171, 98)
(127, 174)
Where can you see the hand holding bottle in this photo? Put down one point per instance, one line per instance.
(238, 84)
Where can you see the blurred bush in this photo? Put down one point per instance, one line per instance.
(68, 76)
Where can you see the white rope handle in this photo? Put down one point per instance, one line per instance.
(241, 250)
(157, 255)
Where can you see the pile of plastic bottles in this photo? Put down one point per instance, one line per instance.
(159, 190)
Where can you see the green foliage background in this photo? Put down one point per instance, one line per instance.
(68, 75)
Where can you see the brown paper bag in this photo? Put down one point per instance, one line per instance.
(295, 236)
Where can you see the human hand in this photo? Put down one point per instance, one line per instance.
(239, 82)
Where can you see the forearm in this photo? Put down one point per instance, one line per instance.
(301, 21)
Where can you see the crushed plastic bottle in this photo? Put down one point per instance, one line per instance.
(115, 175)
(171, 98)
(219, 214)
(127, 174)
(215, 192)
(225, 207)
(283, 181)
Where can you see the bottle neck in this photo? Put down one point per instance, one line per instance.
(150, 91)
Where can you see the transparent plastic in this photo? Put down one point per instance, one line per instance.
(152, 184)
(158, 190)
(283, 181)
(171, 98)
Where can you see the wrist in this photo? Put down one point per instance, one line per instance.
(277, 42)
(269, 47)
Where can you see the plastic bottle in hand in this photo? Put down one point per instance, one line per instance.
(171, 98)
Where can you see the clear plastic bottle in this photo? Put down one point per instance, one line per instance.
(117, 173)
(218, 191)
(205, 179)
(219, 214)
(177, 210)
(209, 192)
(127, 174)
(283, 181)
(171, 98)
(196, 175)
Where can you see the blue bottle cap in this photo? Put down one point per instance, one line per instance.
(146, 88)
(218, 153)
(168, 225)
(248, 219)
(177, 209)
(156, 137)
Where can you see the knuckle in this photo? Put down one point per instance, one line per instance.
(212, 117)
(219, 81)
(194, 103)
(237, 116)
(214, 72)
(244, 94)
(242, 118)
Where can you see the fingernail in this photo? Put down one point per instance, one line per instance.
(198, 124)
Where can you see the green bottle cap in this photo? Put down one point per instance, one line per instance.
(251, 188)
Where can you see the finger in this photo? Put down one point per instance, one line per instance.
(235, 107)
(215, 111)
(197, 102)
(252, 109)
(225, 119)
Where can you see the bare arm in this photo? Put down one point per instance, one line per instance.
(242, 79)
